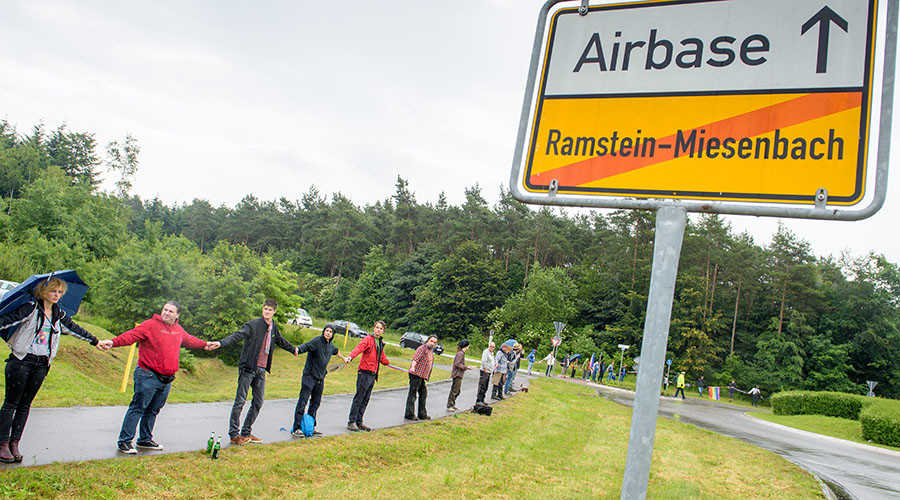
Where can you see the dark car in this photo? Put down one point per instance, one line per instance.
(413, 340)
(353, 331)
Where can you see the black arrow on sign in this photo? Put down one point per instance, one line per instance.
(823, 18)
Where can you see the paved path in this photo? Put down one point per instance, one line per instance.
(852, 470)
(90, 433)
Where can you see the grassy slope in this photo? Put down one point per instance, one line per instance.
(82, 375)
(557, 441)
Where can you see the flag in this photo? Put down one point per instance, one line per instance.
(592, 361)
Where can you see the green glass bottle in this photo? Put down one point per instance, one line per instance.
(211, 442)
(216, 448)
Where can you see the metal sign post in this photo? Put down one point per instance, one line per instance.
(624, 348)
(745, 107)
(670, 222)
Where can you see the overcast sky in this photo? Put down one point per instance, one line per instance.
(267, 98)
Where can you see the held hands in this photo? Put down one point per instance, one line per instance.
(347, 359)
(104, 345)
(296, 351)
(212, 346)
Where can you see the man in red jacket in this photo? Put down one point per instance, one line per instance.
(161, 338)
(372, 350)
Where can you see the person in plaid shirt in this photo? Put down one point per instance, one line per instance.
(419, 373)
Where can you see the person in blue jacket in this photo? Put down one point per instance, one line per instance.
(319, 351)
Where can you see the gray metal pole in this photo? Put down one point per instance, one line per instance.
(670, 222)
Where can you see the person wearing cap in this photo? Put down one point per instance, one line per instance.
(259, 336)
(319, 351)
(515, 359)
(679, 385)
(456, 374)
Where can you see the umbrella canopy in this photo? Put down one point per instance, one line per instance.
(510, 342)
(574, 357)
(75, 290)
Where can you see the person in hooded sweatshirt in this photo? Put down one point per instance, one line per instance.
(319, 351)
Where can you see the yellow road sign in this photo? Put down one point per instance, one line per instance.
(744, 100)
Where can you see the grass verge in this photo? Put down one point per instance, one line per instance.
(559, 440)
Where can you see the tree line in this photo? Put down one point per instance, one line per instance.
(774, 315)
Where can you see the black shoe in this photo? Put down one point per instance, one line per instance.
(426, 417)
(411, 417)
(149, 445)
(127, 448)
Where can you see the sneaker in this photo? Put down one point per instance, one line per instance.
(253, 439)
(149, 445)
(127, 449)
(352, 427)
(364, 427)
(240, 440)
(297, 433)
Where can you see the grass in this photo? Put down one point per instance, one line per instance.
(559, 440)
(82, 375)
(842, 428)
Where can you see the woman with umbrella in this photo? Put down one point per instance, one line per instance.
(34, 329)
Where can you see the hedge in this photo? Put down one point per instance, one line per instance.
(880, 422)
(832, 404)
(879, 418)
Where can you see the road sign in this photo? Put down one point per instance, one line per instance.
(555, 341)
(623, 347)
(559, 327)
(668, 362)
(761, 101)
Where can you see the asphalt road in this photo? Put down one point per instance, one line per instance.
(90, 433)
(851, 470)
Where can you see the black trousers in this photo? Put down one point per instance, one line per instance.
(365, 381)
(417, 387)
(310, 391)
(23, 380)
(484, 380)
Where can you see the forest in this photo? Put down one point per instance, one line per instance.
(775, 315)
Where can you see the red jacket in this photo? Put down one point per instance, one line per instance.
(160, 344)
(369, 359)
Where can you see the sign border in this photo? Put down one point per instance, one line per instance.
(555, 195)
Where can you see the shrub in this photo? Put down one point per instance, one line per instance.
(832, 404)
(880, 422)
(187, 361)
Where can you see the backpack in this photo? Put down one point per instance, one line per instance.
(482, 409)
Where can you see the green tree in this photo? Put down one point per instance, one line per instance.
(466, 286)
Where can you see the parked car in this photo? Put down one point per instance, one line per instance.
(413, 340)
(6, 286)
(353, 331)
(301, 318)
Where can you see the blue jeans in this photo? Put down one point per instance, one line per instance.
(254, 379)
(149, 397)
(510, 376)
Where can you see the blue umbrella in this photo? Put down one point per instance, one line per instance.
(510, 342)
(75, 290)
(574, 357)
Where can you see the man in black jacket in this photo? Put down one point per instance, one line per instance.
(319, 351)
(258, 336)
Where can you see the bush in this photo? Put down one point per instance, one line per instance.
(832, 404)
(187, 361)
(880, 422)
